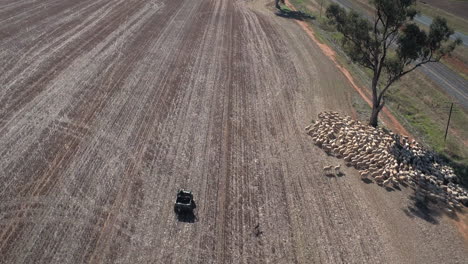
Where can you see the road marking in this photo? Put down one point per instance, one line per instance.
(447, 83)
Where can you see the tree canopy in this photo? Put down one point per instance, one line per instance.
(391, 45)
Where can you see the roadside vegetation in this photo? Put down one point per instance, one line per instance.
(459, 60)
(415, 100)
(391, 45)
(459, 23)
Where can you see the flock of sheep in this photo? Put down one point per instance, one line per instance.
(387, 158)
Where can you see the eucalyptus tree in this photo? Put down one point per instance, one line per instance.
(391, 45)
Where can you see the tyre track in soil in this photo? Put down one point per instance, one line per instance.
(41, 100)
(30, 46)
(166, 253)
(175, 72)
(91, 108)
(37, 82)
(99, 101)
(296, 200)
(157, 95)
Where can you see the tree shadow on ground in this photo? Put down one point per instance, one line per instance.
(423, 210)
(460, 168)
(428, 209)
(425, 163)
(299, 15)
(429, 200)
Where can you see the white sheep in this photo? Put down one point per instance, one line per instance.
(327, 169)
(337, 169)
(384, 156)
(364, 174)
(379, 179)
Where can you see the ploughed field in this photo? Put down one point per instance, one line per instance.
(108, 107)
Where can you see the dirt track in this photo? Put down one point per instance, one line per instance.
(108, 107)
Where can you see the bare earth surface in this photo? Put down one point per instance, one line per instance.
(108, 107)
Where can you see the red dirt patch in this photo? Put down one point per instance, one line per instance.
(462, 224)
(330, 53)
(457, 64)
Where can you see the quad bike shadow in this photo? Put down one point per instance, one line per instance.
(187, 216)
(184, 207)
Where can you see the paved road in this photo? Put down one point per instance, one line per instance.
(107, 107)
(456, 86)
(425, 20)
(451, 82)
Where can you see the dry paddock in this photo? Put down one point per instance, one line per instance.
(107, 107)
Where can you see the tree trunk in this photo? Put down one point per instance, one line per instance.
(374, 119)
(377, 106)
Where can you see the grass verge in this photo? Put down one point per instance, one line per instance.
(459, 65)
(415, 100)
(458, 23)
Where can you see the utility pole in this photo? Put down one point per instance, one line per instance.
(448, 122)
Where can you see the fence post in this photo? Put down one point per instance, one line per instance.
(448, 122)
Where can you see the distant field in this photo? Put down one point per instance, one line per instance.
(456, 7)
(458, 23)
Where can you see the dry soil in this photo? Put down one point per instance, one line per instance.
(108, 107)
